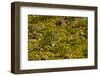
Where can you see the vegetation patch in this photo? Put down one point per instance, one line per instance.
(57, 37)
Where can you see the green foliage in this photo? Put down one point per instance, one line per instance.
(57, 37)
